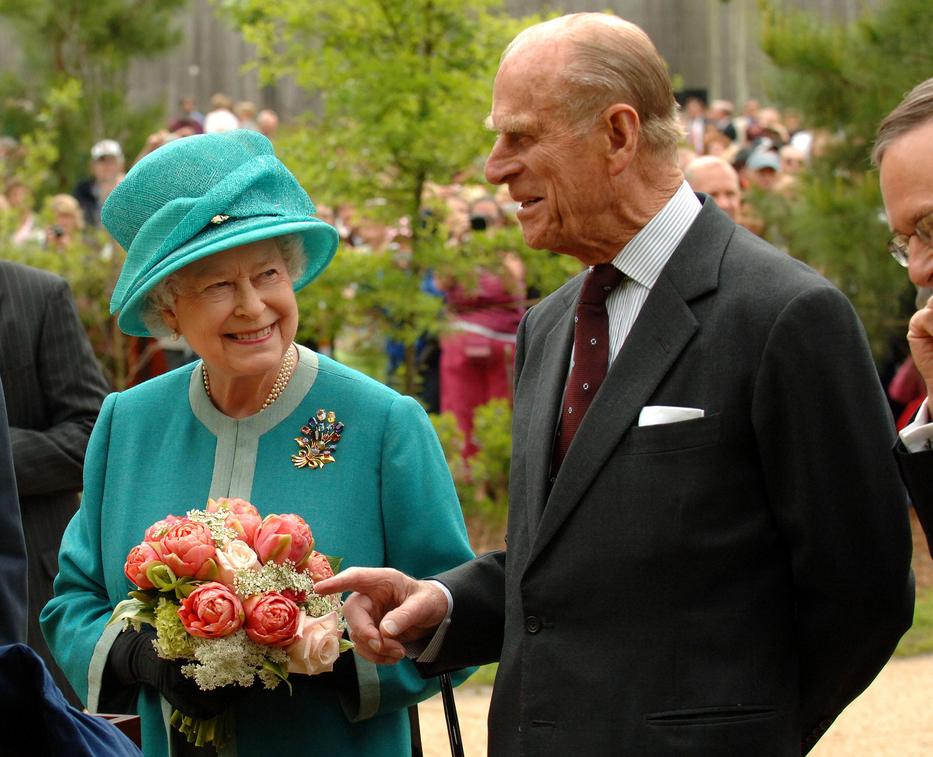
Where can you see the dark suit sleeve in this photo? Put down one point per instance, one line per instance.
(917, 473)
(825, 433)
(12, 547)
(51, 459)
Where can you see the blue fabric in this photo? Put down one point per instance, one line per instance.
(387, 500)
(32, 706)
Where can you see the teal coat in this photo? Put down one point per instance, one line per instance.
(388, 499)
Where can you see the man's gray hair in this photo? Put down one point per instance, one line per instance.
(162, 295)
(915, 110)
(611, 61)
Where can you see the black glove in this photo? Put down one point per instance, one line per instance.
(133, 660)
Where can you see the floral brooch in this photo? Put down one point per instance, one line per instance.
(318, 440)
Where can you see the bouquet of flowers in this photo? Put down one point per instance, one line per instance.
(232, 595)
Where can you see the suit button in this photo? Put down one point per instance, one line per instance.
(532, 624)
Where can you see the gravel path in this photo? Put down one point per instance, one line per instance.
(894, 717)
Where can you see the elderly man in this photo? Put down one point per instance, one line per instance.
(717, 178)
(706, 563)
(904, 154)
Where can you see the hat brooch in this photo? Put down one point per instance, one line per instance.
(318, 440)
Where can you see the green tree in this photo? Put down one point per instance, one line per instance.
(89, 46)
(843, 79)
(403, 87)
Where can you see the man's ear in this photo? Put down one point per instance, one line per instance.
(623, 126)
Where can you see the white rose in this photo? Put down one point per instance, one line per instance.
(237, 555)
(317, 647)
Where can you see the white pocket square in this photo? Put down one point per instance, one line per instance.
(655, 415)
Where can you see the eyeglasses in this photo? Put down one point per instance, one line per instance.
(900, 243)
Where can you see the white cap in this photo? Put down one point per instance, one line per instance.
(106, 148)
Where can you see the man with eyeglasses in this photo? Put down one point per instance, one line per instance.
(904, 155)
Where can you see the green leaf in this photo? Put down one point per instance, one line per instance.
(279, 671)
(346, 645)
(134, 611)
(334, 563)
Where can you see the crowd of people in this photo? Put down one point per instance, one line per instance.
(676, 432)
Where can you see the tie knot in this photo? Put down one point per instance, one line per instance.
(600, 282)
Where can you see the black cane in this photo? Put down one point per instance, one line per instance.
(450, 714)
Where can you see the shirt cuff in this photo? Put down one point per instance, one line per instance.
(421, 652)
(917, 436)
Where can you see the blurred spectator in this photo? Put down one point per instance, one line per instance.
(720, 115)
(694, 118)
(67, 222)
(792, 159)
(25, 221)
(268, 123)
(245, 111)
(763, 170)
(188, 118)
(715, 142)
(748, 120)
(478, 350)
(718, 179)
(221, 117)
(107, 170)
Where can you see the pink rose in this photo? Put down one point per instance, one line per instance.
(188, 549)
(284, 537)
(137, 561)
(237, 555)
(211, 611)
(244, 518)
(271, 619)
(317, 647)
(157, 530)
(318, 567)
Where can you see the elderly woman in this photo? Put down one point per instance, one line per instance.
(219, 236)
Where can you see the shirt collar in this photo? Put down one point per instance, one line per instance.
(646, 254)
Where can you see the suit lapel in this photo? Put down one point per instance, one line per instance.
(543, 423)
(663, 329)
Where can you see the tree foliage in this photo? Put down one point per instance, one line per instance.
(403, 87)
(843, 79)
(87, 47)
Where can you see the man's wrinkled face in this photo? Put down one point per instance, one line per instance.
(556, 174)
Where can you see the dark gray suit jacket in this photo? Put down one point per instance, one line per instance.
(722, 585)
(12, 546)
(917, 472)
(54, 389)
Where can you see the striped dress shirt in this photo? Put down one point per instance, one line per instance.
(642, 261)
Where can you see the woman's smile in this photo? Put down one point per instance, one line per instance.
(251, 336)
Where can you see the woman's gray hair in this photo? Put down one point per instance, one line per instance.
(162, 296)
(611, 61)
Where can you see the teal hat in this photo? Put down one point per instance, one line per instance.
(201, 195)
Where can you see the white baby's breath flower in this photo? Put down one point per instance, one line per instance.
(233, 659)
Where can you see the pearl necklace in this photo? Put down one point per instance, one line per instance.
(278, 386)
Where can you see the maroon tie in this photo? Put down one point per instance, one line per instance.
(590, 354)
